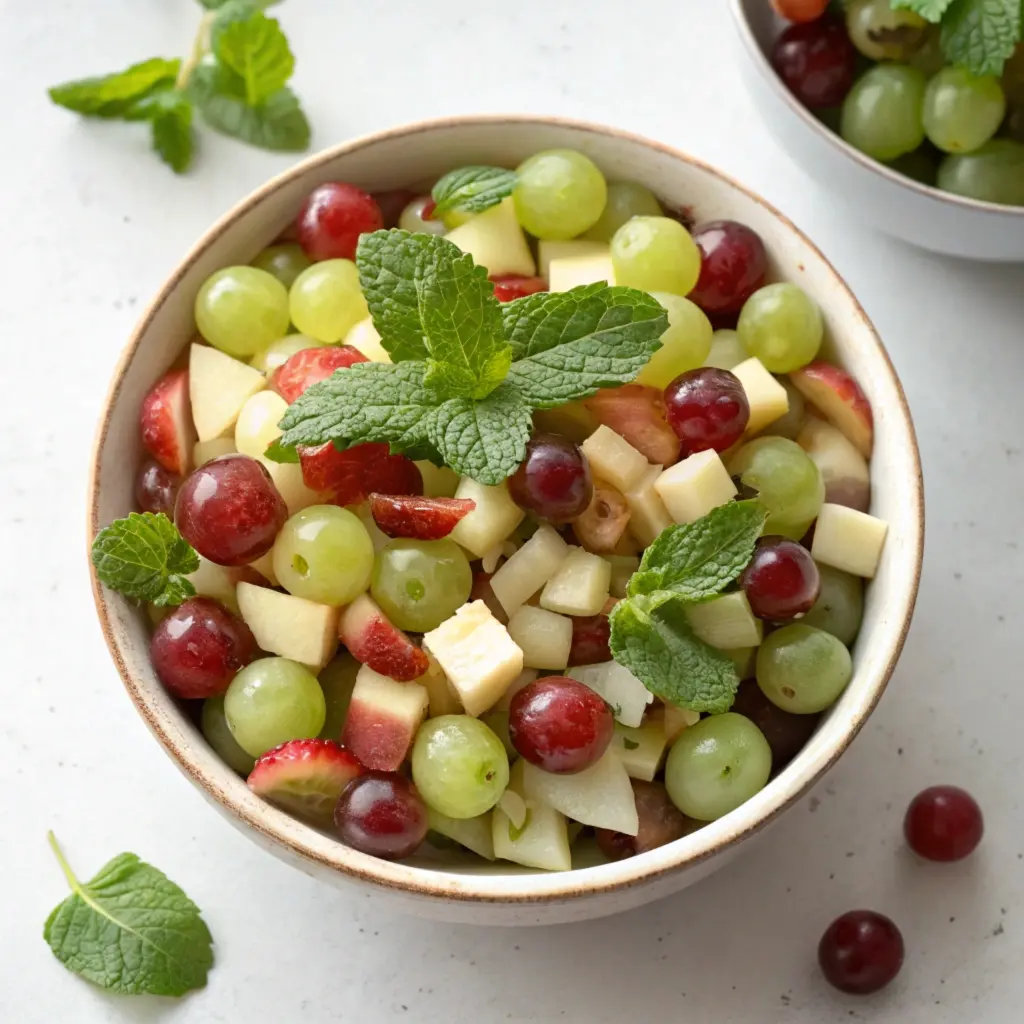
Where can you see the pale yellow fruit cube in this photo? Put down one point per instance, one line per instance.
(218, 387)
(203, 451)
(614, 459)
(726, 622)
(529, 569)
(257, 423)
(647, 513)
(849, 540)
(496, 241)
(289, 626)
(580, 587)
(566, 274)
(768, 399)
(692, 488)
(496, 515)
(545, 637)
(562, 250)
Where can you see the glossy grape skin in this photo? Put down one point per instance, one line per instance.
(215, 728)
(817, 62)
(943, 823)
(241, 310)
(716, 765)
(325, 301)
(684, 346)
(414, 218)
(271, 701)
(380, 813)
(655, 254)
(707, 409)
(788, 483)
(626, 199)
(333, 217)
(882, 34)
(787, 734)
(994, 173)
(229, 510)
(800, 11)
(803, 670)
(861, 952)
(922, 165)
(324, 554)
(962, 111)
(781, 325)
(590, 638)
(459, 766)
(285, 262)
(733, 266)
(559, 194)
(883, 114)
(553, 481)
(781, 581)
(840, 605)
(727, 350)
(277, 353)
(156, 488)
(560, 725)
(1013, 77)
(660, 821)
(337, 680)
(420, 583)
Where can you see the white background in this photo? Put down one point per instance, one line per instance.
(92, 223)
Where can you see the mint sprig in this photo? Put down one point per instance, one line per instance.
(472, 189)
(114, 95)
(930, 10)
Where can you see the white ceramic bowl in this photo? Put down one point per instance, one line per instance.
(919, 214)
(503, 894)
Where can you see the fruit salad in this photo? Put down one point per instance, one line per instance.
(523, 517)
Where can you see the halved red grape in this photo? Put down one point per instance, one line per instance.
(553, 480)
(156, 488)
(943, 823)
(781, 581)
(309, 366)
(514, 286)
(733, 266)
(392, 203)
(661, 822)
(786, 733)
(590, 636)
(861, 952)
(707, 408)
(381, 813)
(817, 62)
(333, 217)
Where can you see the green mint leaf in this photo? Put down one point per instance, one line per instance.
(568, 345)
(219, 5)
(144, 556)
(278, 452)
(697, 560)
(486, 439)
(171, 121)
(981, 34)
(113, 95)
(651, 637)
(130, 930)
(256, 49)
(930, 10)
(472, 189)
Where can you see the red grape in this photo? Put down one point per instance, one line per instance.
(514, 286)
(781, 581)
(199, 647)
(785, 732)
(559, 724)
(660, 823)
(554, 479)
(381, 813)
(590, 636)
(392, 203)
(156, 488)
(800, 10)
(350, 476)
(230, 511)
(943, 823)
(309, 366)
(861, 952)
(333, 217)
(817, 62)
(707, 408)
(733, 266)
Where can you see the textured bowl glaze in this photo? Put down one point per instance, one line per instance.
(447, 886)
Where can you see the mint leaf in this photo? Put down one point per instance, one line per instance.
(113, 95)
(277, 452)
(981, 34)
(472, 189)
(144, 556)
(571, 344)
(485, 439)
(172, 129)
(217, 5)
(256, 49)
(930, 10)
(697, 560)
(651, 637)
(130, 930)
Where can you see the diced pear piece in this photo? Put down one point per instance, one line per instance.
(289, 626)
(364, 337)
(767, 398)
(647, 513)
(726, 622)
(528, 569)
(203, 451)
(218, 387)
(527, 676)
(496, 241)
(545, 637)
(257, 423)
(514, 806)
(548, 250)
(676, 719)
(541, 842)
(265, 567)
(623, 566)
(692, 488)
(382, 719)
(443, 698)
(743, 658)
(472, 833)
(218, 582)
(570, 273)
(496, 515)
(641, 750)
(438, 481)
(580, 586)
(614, 459)
(849, 540)
(287, 477)
(625, 693)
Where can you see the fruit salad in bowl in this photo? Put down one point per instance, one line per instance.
(520, 515)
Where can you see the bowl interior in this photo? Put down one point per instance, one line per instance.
(423, 152)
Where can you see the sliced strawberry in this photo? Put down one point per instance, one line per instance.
(350, 476)
(419, 518)
(310, 366)
(482, 591)
(305, 777)
(590, 638)
(168, 433)
(514, 286)
(374, 640)
(637, 413)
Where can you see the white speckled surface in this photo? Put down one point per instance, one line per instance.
(91, 227)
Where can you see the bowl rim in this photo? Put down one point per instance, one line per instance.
(746, 34)
(287, 834)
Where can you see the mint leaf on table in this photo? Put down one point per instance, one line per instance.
(472, 189)
(981, 34)
(130, 930)
(113, 95)
(256, 49)
(930, 10)
(695, 561)
(171, 122)
(145, 557)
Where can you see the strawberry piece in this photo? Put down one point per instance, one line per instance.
(165, 418)
(419, 518)
(637, 413)
(305, 777)
(310, 366)
(482, 591)
(514, 286)
(374, 640)
(590, 636)
(350, 476)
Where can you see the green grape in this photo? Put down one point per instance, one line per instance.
(459, 766)
(1013, 77)
(929, 57)
(497, 722)
(727, 350)
(241, 310)
(277, 353)
(788, 483)
(684, 346)
(325, 300)
(920, 166)
(284, 261)
(781, 325)
(840, 605)
(420, 583)
(962, 111)
(881, 33)
(412, 218)
(655, 254)
(337, 680)
(218, 735)
(324, 554)
(626, 199)
(803, 670)
(716, 765)
(994, 173)
(883, 112)
(271, 701)
(559, 194)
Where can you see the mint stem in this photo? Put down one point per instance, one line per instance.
(64, 866)
(200, 45)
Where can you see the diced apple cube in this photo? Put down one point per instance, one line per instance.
(744, 658)
(614, 459)
(545, 637)
(541, 842)
(514, 806)
(443, 698)
(287, 477)
(625, 693)
(527, 676)
(289, 626)
(726, 622)
(438, 481)
(565, 274)
(265, 567)
(219, 582)
(623, 566)
(496, 515)
(364, 337)
(472, 833)
(768, 399)
(218, 388)
(692, 488)
(641, 750)
(496, 241)
(382, 719)
(647, 513)
(580, 586)
(528, 569)
(203, 451)
(562, 250)
(849, 540)
(675, 719)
